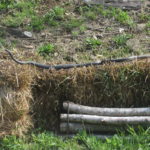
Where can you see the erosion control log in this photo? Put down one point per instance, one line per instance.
(105, 120)
(80, 109)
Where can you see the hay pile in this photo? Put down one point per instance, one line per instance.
(25, 89)
(15, 96)
(115, 85)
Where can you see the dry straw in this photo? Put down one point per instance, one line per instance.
(25, 89)
(110, 85)
(15, 97)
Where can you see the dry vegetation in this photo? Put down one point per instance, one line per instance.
(42, 92)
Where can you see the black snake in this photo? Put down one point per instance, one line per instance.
(68, 66)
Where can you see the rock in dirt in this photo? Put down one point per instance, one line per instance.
(27, 34)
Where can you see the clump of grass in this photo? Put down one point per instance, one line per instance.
(123, 17)
(90, 15)
(54, 16)
(5, 4)
(148, 27)
(72, 23)
(120, 40)
(2, 42)
(92, 43)
(82, 28)
(75, 33)
(144, 17)
(46, 49)
(2, 33)
(37, 23)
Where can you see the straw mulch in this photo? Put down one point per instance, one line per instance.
(112, 85)
(15, 97)
(26, 90)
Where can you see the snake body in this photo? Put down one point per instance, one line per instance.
(68, 66)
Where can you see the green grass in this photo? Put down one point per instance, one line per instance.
(72, 23)
(119, 15)
(20, 12)
(54, 16)
(90, 15)
(2, 42)
(36, 24)
(5, 4)
(120, 40)
(92, 43)
(46, 49)
(45, 141)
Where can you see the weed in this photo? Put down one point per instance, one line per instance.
(123, 17)
(75, 33)
(120, 40)
(72, 23)
(82, 28)
(148, 27)
(83, 9)
(104, 12)
(143, 17)
(4, 4)
(46, 49)
(90, 15)
(54, 16)
(2, 32)
(37, 23)
(92, 43)
(2, 42)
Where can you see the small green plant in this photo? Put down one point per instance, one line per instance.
(123, 17)
(148, 28)
(54, 16)
(75, 33)
(4, 4)
(144, 17)
(90, 15)
(37, 23)
(2, 32)
(92, 42)
(2, 42)
(72, 23)
(46, 49)
(82, 28)
(120, 40)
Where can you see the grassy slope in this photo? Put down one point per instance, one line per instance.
(75, 33)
